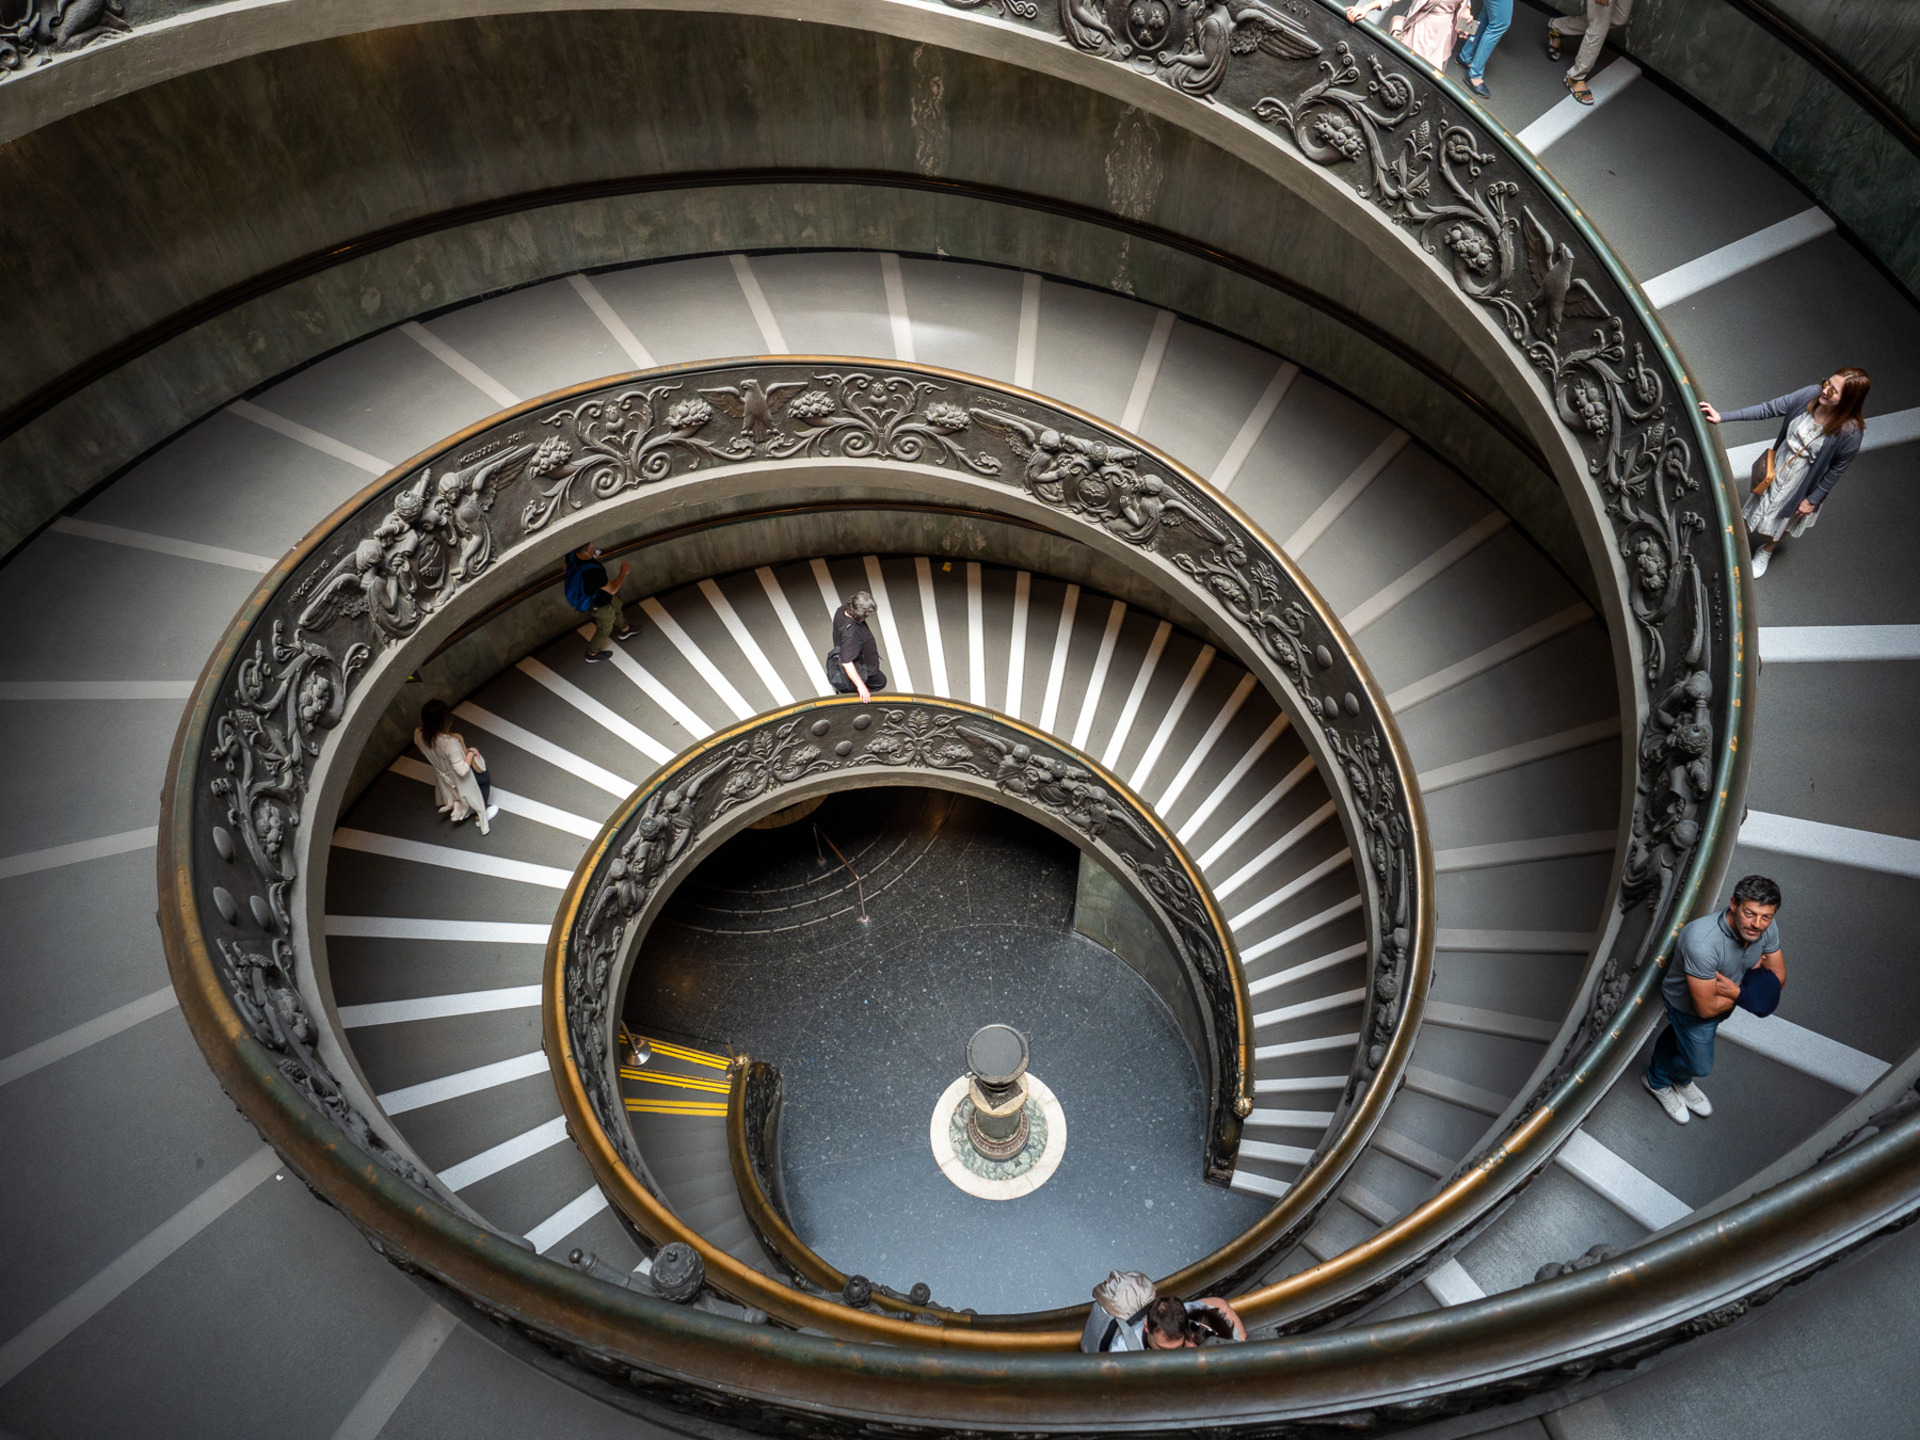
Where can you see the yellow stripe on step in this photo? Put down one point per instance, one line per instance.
(695, 1057)
(682, 1082)
(678, 1107)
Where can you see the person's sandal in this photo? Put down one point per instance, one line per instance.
(1578, 89)
(1553, 44)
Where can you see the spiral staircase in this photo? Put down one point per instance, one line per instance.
(153, 1236)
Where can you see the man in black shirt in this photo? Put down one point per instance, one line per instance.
(853, 665)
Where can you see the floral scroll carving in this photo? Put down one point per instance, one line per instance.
(268, 1001)
(1425, 160)
(42, 29)
(607, 446)
(415, 547)
(286, 695)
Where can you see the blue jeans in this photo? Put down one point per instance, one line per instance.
(1684, 1050)
(1495, 17)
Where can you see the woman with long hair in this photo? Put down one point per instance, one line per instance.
(1821, 427)
(461, 789)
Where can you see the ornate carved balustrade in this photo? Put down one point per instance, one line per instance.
(339, 624)
(687, 809)
(335, 621)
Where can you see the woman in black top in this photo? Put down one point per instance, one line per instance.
(853, 665)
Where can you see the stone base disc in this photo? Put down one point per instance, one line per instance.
(1008, 1179)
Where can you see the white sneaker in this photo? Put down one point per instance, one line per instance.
(1760, 559)
(1691, 1097)
(492, 810)
(1670, 1101)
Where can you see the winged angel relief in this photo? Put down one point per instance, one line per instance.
(1186, 43)
(435, 539)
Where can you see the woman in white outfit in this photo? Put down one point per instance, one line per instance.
(1820, 431)
(460, 783)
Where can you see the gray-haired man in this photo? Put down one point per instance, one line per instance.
(853, 665)
(1119, 1315)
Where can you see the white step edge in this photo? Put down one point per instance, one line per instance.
(1619, 1183)
(1835, 844)
(1817, 644)
(439, 1007)
(1742, 255)
(1807, 1051)
(1560, 121)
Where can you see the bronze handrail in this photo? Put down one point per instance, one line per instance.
(1620, 1018)
(1697, 1279)
(402, 564)
(696, 801)
(1413, 146)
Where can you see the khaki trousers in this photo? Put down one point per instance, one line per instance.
(1592, 29)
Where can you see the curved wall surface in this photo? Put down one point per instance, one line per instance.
(230, 176)
(1750, 63)
(1108, 195)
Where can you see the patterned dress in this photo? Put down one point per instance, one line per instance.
(1770, 513)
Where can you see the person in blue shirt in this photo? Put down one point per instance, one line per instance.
(1719, 961)
(590, 592)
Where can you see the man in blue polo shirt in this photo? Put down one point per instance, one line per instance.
(590, 592)
(1719, 961)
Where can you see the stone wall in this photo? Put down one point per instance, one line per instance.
(494, 152)
(1767, 91)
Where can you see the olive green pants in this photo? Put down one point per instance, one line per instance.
(606, 620)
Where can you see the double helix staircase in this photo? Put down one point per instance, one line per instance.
(1497, 670)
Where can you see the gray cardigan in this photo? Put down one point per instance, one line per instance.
(1836, 451)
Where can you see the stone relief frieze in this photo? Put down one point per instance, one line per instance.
(1424, 159)
(38, 30)
(434, 540)
(421, 542)
(269, 1003)
(286, 694)
(1186, 43)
